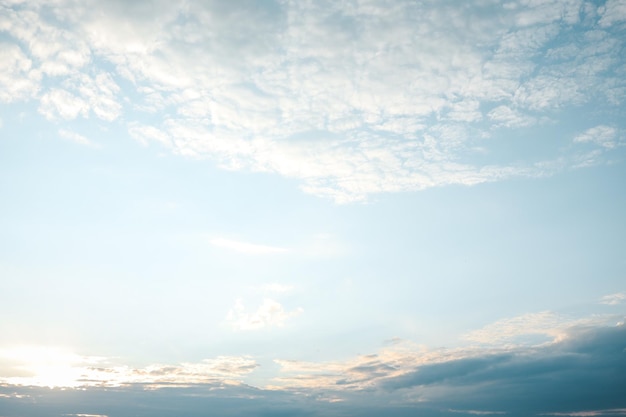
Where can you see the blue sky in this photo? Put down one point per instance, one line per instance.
(312, 208)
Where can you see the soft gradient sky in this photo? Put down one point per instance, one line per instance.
(288, 208)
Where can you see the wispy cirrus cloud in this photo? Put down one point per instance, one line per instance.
(604, 136)
(76, 138)
(614, 299)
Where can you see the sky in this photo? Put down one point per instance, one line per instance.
(312, 208)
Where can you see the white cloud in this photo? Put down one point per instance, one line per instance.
(269, 314)
(60, 103)
(18, 81)
(505, 116)
(145, 134)
(76, 138)
(530, 329)
(614, 299)
(614, 11)
(351, 98)
(245, 247)
(601, 135)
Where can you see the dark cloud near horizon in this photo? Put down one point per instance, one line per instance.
(587, 371)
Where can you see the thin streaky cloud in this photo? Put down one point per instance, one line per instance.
(613, 299)
(591, 413)
(602, 135)
(77, 138)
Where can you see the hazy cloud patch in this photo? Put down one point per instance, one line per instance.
(614, 299)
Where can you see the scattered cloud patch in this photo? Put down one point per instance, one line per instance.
(269, 314)
(62, 104)
(76, 138)
(349, 99)
(604, 136)
(613, 299)
(613, 11)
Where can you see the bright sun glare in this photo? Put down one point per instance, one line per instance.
(45, 366)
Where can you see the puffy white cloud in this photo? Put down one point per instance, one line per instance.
(269, 314)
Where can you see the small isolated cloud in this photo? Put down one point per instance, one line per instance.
(601, 135)
(613, 299)
(269, 314)
(76, 138)
(245, 247)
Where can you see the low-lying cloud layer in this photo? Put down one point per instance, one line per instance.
(582, 373)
